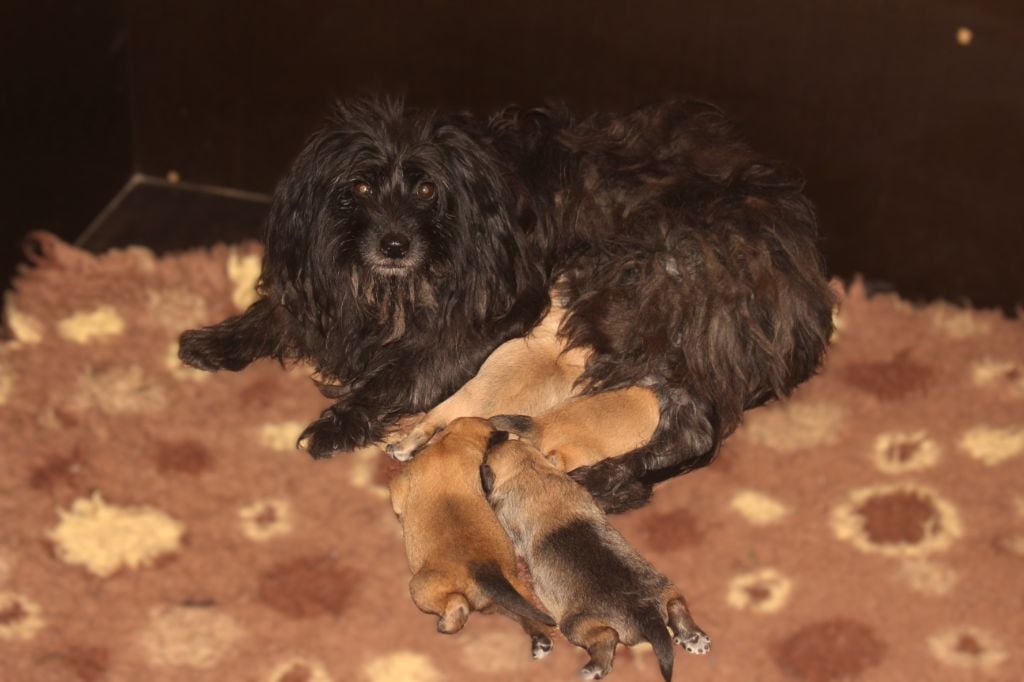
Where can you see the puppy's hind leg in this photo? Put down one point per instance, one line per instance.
(686, 632)
(456, 613)
(598, 639)
(433, 593)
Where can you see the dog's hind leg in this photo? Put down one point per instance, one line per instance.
(686, 439)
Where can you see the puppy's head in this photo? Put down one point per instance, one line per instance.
(453, 456)
(505, 460)
(384, 210)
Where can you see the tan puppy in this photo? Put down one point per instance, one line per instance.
(598, 588)
(586, 429)
(460, 557)
(527, 375)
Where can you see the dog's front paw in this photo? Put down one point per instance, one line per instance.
(337, 431)
(207, 350)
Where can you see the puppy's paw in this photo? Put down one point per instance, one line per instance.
(594, 671)
(694, 642)
(205, 349)
(540, 647)
(405, 449)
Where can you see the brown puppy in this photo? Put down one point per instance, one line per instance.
(585, 429)
(460, 557)
(600, 589)
(526, 375)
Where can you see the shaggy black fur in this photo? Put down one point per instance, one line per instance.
(404, 246)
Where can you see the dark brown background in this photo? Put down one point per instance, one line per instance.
(913, 145)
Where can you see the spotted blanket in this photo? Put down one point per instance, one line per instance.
(157, 523)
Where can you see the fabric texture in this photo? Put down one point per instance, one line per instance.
(158, 523)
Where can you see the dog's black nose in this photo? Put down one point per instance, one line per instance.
(394, 245)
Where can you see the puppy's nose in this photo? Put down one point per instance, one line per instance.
(394, 245)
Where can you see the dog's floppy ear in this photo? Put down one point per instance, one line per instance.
(487, 478)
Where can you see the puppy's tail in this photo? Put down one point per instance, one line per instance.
(498, 589)
(519, 424)
(654, 630)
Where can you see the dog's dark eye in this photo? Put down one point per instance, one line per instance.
(361, 188)
(426, 190)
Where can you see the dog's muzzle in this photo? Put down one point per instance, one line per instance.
(394, 245)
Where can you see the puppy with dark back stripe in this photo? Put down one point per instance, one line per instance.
(598, 588)
(586, 429)
(460, 557)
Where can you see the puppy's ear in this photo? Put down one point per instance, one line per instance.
(487, 478)
(496, 438)
(519, 424)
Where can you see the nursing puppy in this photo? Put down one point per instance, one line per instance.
(460, 557)
(583, 430)
(598, 588)
(527, 375)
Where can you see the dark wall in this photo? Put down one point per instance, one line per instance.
(913, 145)
(64, 118)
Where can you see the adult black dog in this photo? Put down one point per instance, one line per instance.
(404, 246)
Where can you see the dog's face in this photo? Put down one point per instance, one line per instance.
(389, 213)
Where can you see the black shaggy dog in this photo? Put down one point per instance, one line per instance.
(404, 246)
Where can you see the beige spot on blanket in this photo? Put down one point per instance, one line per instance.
(991, 445)
(282, 435)
(24, 328)
(927, 577)
(244, 273)
(999, 374)
(758, 508)
(176, 309)
(899, 452)
(118, 389)
(188, 636)
(959, 323)
(6, 383)
(900, 520)
(299, 670)
(793, 426)
(83, 327)
(763, 591)
(407, 666)
(104, 538)
(967, 647)
(20, 617)
(266, 519)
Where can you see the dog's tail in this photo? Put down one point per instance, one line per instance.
(519, 424)
(654, 630)
(496, 586)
